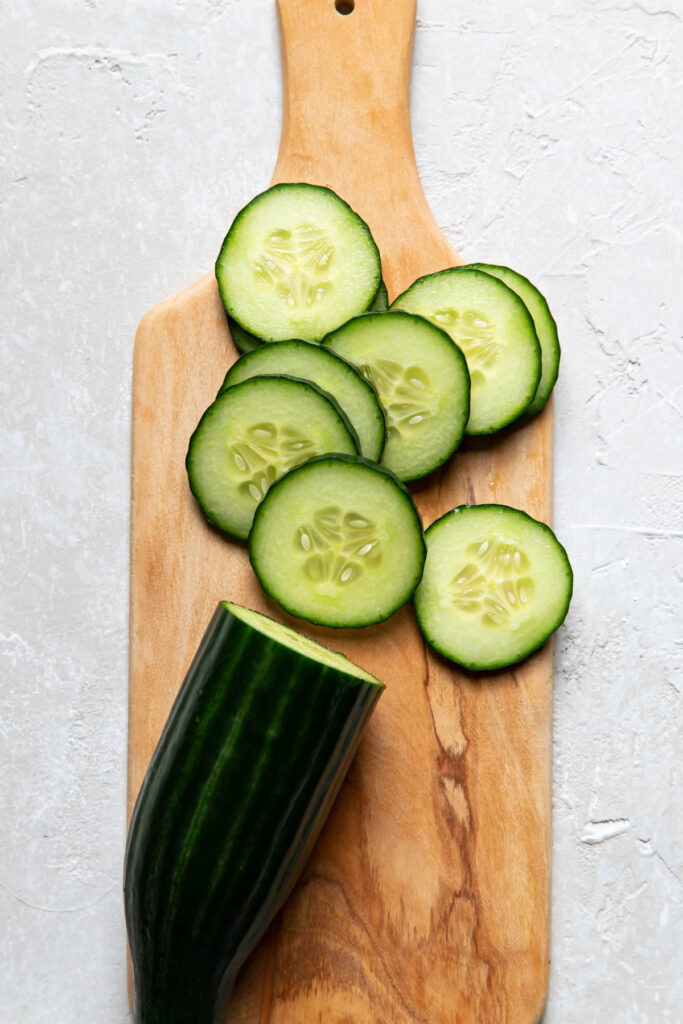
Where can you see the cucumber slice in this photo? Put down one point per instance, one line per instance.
(339, 542)
(494, 329)
(251, 435)
(422, 382)
(380, 303)
(544, 324)
(496, 584)
(243, 340)
(331, 373)
(296, 263)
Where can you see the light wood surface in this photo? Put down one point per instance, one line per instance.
(427, 896)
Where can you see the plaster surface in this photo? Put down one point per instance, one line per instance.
(548, 138)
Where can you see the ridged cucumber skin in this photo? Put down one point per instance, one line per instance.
(283, 187)
(247, 767)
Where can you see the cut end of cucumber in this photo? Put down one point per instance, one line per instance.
(496, 584)
(301, 644)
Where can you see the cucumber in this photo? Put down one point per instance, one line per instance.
(243, 340)
(334, 375)
(496, 584)
(422, 381)
(256, 746)
(494, 329)
(544, 324)
(251, 435)
(296, 263)
(338, 542)
(381, 300)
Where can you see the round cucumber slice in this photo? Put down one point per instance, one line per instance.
(296, 263)
(544, 324)
(338, 542)
(253, 434)
(496, 584)
(494, 329)
(422, 382)
(331, 373)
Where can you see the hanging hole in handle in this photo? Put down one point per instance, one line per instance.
(344, 6)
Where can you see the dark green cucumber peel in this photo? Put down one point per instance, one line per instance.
(250, 759)
(243, 340)
(544, 323)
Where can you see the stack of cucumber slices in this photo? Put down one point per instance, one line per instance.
(339, 399)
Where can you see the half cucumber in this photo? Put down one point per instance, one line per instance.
(251, 435)
(496, 584)
(544, 324)
(494, 329)
(331, 373)
(338, 542)
(248, 766)
(422, 382)
(296, 263)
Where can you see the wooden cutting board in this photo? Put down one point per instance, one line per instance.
(427, 897)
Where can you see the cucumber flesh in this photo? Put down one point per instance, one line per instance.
(254, 751)
(422, 382)
(338, 542)
(251, 435)
(544, 325)
(494, 329)
(331, 373)
(380, 303)
(496, 584)
(296, 263)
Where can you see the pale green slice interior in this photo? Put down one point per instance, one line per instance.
(338, 543)
(300, 644)
(422, 383)
(333, 375)
(495, 332)
(296, 263)
(252, 435)
(495, 586)
(544, 324)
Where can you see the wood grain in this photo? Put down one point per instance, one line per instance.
(427, 896)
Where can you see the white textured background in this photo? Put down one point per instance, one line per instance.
(548, 135)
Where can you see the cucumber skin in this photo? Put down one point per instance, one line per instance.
(379, 469)
(241, 339)
(281, 376)
(519, 414)
(242, 212)
(246, 700)
(539, 400)
(501, 664)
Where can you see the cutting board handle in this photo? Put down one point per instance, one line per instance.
(346, 81)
